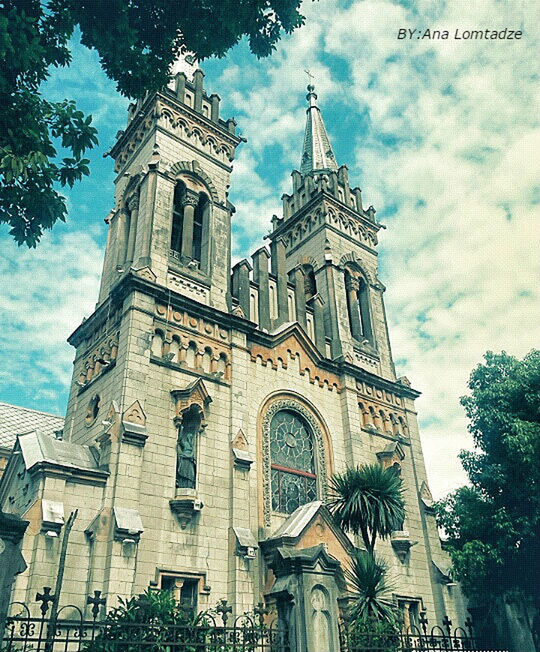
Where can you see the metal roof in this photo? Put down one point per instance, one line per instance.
(37, 447)
(297, 521)
(15, 420)
(317, 154)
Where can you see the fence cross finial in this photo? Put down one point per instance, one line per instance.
(423, 621)
(448, 624)
(45, 598)
(224, 610)
(96, 601)
(261, 611)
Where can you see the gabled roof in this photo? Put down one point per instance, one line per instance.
(291, 531)
(37, 447)
(15, 420)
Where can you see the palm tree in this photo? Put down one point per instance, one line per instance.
(367, 500)
(368, 579)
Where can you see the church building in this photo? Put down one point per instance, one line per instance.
(211, 405)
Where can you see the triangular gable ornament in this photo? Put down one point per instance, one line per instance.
(134, 425)
(427, 498)
(195, 393)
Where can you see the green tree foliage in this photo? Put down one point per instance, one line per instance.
(367, 500)
(137, 41)
(151, 620)
(373, 593)
(373, 634)
(493, 526)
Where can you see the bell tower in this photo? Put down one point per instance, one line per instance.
(171, 219)
(330, 245)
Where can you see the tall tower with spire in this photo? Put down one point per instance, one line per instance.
(329, 237)
(210, 407)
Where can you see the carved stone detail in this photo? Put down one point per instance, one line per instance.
(194, 394)
(193, 168)
(295, 406)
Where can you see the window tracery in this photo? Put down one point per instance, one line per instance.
(291, 478)
(358, 307)
(294, 481)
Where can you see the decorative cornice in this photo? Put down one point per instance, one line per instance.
(81, 476)
(143, 114)
(132, 283)
(318, 197)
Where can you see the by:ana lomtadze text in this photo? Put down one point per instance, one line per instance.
(505, 34)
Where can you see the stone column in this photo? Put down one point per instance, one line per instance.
(358, 196)
(300, 297)
(260, 276)
(189, 202)
(332, 310)
(277, 249)
(121, 234)
(352, 302)
(214, 111)
(198, 81)
(343, 176)
(318, 318)
(145, 218)
(133, 207)
(365, 313)
(180, 85)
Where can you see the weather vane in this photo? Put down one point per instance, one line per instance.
(310, 76)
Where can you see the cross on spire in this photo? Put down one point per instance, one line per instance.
(310, 76)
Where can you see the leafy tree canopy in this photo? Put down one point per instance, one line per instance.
(493, 526)
(137, 41)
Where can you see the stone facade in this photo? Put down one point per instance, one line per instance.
(182, 367)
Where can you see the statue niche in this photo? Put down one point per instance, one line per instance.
(188, 427)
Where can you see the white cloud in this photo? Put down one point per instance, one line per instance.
(459, 257)
(460, 254)
(45, 295)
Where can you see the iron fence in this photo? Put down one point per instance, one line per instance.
(415, 639)
(74, 633)
(67, 630)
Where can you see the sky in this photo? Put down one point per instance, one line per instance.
(441, 135)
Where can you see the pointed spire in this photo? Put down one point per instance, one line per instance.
(317, 154)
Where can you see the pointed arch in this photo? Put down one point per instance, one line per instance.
(296, 406)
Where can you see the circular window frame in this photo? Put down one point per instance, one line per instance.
(92, 410)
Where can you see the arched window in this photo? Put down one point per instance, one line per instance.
(189, 224)
(358, 308)
(293, 473)
(178, 213)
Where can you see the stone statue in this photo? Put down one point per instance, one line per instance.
(186, 466)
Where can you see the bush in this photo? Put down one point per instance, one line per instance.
(369, 633)
(152, 621)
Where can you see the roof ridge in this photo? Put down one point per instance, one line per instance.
(21, 407)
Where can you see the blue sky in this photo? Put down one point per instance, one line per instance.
(442, 137)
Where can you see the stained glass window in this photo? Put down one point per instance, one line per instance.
(294, 482)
